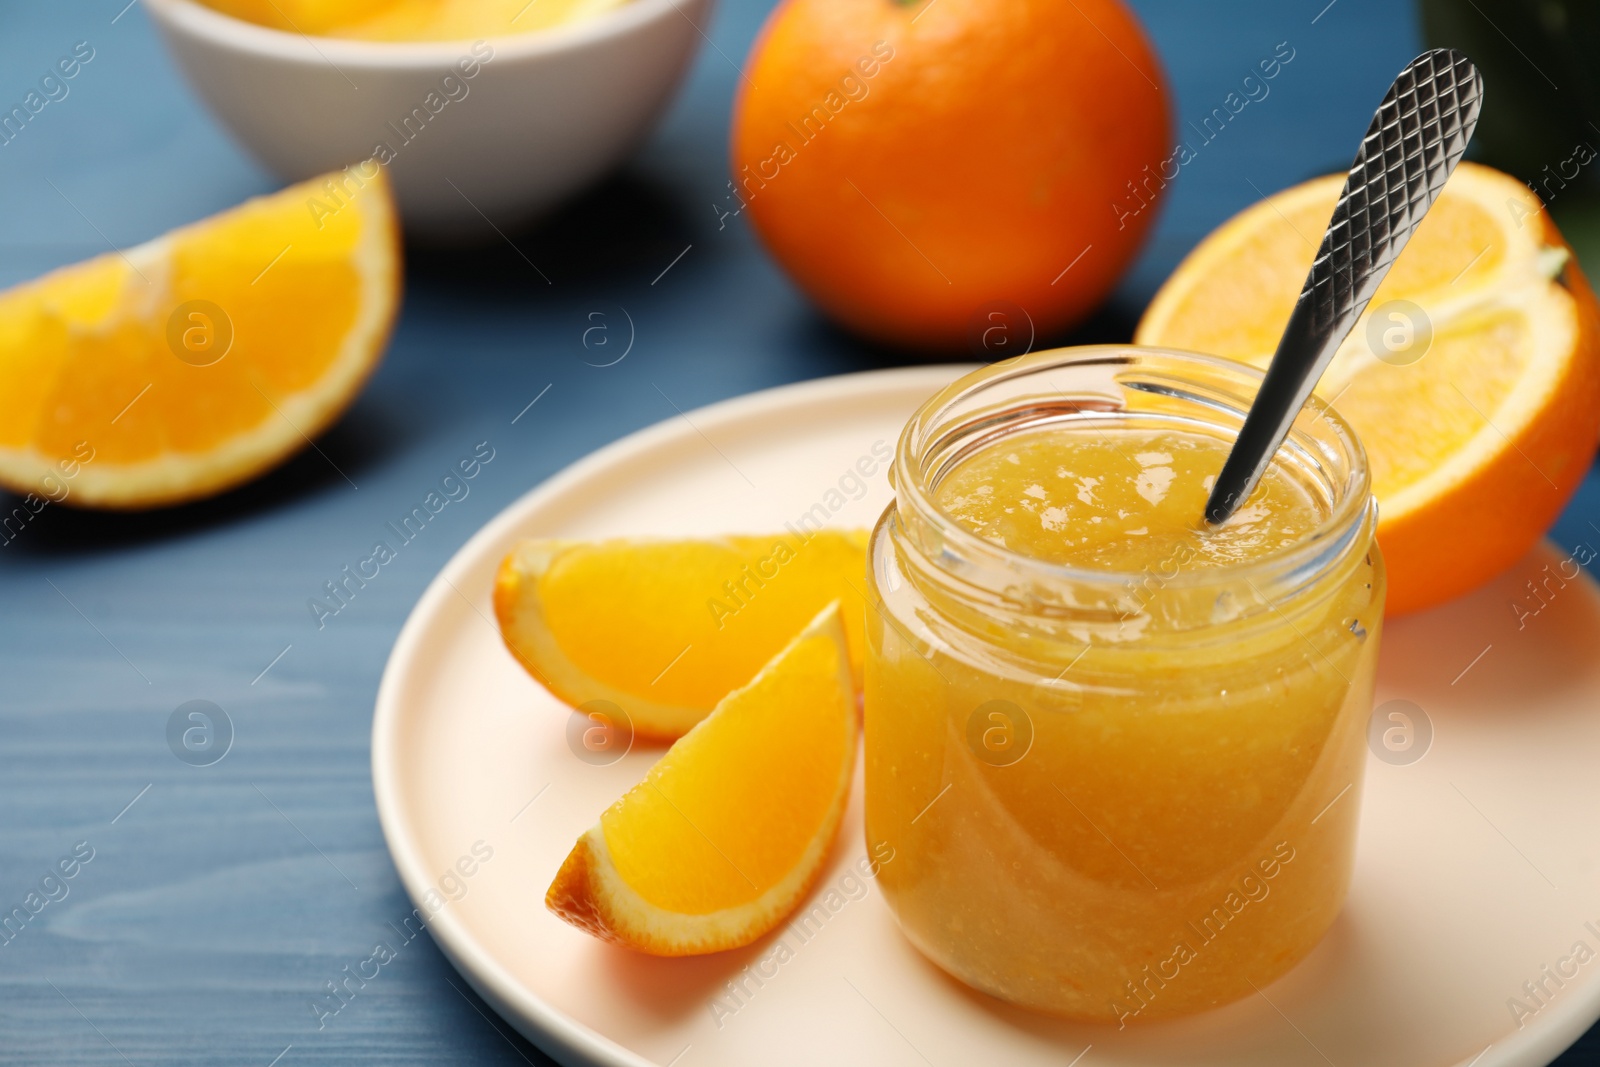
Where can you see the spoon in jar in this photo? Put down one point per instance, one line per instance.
(1415, 140)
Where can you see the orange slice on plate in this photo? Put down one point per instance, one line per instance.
(664, 629)
(729, 829)
(190, 364)
(1473, 379)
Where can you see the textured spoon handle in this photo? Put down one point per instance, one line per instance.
(1414, 142)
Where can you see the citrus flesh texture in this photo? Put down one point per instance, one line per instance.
(664, 629)
(189, 364)
(1479, 415)
(729, 829)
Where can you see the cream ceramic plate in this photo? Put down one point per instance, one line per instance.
(1479, 865)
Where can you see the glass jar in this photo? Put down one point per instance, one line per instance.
(1117, 796)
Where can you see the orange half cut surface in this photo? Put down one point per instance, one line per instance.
(1473, 379)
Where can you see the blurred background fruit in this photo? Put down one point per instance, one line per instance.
(301, 16)
(412, 20)
(195, 362)
(915, 167)
(1473, 379)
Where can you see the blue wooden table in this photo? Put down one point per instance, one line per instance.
(219, 900)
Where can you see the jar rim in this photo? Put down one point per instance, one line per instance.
(1351, 499)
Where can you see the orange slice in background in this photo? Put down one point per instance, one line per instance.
(411, 20)
(728, 831)
(1480, 416)
(190, 364)
(665, 629)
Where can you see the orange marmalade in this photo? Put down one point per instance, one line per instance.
(1117, 753)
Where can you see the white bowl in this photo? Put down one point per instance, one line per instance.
(544, 114)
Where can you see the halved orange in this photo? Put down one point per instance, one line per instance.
(1478, 438)
(190, 364)
(664, 629)
(728, 831)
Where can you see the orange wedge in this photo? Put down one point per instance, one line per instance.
(1480, 414)
(190, 364)
(664, 629)
(729, 829)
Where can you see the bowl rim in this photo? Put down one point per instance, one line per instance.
(196, 20)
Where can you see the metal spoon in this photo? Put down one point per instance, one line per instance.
(1414, 142)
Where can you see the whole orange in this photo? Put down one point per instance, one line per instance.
(924, 170)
